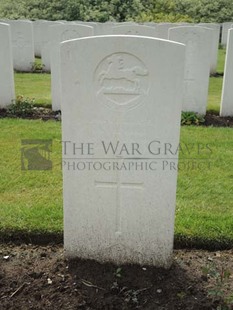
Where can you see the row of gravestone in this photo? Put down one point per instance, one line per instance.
(200, 59)
(34, 38)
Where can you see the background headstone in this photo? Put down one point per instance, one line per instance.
(38, 39)
(59, 33)
(103, 28)
(7, 88)
(226, 108)
(139, 30)
(46, 43)
(162, 30)
(129, 90)
(197, 65)
(22, 44)
(99, 28)
(151, 24)
(215, 44)
(225, 27)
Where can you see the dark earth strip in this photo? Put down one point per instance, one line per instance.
(211, 118)
(180, 241)
(39, 277)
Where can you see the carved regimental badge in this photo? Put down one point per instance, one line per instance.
(121, 80)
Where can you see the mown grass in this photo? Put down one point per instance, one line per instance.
(221, 60)
(215, 85)
(205, 194)
(31, 201)
(34, 85)
(215, 92)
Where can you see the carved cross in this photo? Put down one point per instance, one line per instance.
(118, 186)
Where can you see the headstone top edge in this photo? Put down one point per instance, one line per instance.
(70, 25)
(5, 24)
(123, 36)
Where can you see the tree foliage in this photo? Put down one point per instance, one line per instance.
(119, 10)
(161, 11)
(206, 10)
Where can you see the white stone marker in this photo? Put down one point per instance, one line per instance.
(59, 33)
(226, 108)
(103, 28)
(162, 30)
(38, 38)
(151, 24)
(7, 88)
(197, 65)
(46, 44)
(22, 44)
(215, 44)
(128, 93)
(138, 30)
(225, 27)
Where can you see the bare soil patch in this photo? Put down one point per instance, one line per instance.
(39, 277)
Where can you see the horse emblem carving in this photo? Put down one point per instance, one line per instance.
(121, 78)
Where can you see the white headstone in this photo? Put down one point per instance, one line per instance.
(99, 28)
(22, 44)
(138, 30)
(215, 44)
(37, 36)
(59, 33)
(4, 21)
(185, 24)
(91, 24)
(197, 65)
(129, 23)
(151, 24)
(162, 30)
(7, 89)
(225, 27)
(46, 43)
(226, 108)
(127, 93)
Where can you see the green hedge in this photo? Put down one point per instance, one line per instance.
(119, 10)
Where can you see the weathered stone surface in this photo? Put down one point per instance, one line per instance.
(7, 89)
(121, 109)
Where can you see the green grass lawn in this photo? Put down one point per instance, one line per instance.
(215, 85)
(215, 92)
(205, 195)
(221, 60)
(34, 85)
(31, 201)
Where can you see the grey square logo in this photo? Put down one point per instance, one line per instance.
(35, 154)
